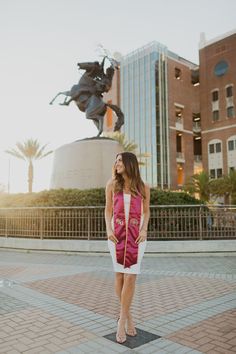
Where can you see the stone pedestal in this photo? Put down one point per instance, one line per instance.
(84, 164)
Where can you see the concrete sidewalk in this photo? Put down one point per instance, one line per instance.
(58, 303)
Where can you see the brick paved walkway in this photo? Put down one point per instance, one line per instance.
(58, 303)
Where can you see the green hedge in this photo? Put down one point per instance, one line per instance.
(91, 197)
(160, 197)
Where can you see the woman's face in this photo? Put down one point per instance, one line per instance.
(119, 166)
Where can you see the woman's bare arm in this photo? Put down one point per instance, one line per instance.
(108, 211)
(146, 215)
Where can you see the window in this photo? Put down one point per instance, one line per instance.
(216, 173)
(221, 68)
(229, 91)
(214, 148)
(177, 73)
(212, 173)
(195, 77)
(178, 112)
(211, 148)
(230, 145)
(179, 142)
(219, 172)
(231, 169)
(230, 112)
(196, 117)
(215, 95)
(215, 116)
(218, 147)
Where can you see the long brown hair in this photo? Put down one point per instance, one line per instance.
(132, 171)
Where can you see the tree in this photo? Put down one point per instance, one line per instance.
(230, 182)
(128, 146)
(199, 184)
(225, 186)
(30, 150)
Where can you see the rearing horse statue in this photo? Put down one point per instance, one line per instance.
(88, 93)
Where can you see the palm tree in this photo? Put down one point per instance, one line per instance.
(29, 151)
(225, 186)
(200, 184)
(128, 146)
(230, 182)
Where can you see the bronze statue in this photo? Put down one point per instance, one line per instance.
(88, 93)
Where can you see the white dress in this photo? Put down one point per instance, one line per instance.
(135, 268)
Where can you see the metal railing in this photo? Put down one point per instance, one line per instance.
(179, 120)
(167, 222)
(196, 127)
(180, 156)
(197, 158)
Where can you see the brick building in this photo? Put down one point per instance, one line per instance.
(182, 113)
(184, 120)
(218, 101)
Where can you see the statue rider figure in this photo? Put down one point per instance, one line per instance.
(88, 93)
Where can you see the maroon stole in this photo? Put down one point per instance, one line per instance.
(127, 231)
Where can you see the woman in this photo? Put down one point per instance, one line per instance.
(127, 216)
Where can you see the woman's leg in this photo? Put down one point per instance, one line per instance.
(119, 282)
(127, 294)
(131, 330)
(125, 287)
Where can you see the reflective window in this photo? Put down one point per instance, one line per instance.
(230, 112)
(231, 145)
(219, 172)
(215, 116)
(211, 148)
(212, 174)
(214, 148)
(229, 91)
(221, 68)
(216, 173)
(138, 98)
(215, 95)
(218, 147)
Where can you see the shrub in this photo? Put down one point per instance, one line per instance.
(89, 197)
(160, 197)
(55, 197)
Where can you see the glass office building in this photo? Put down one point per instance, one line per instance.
(144, 101)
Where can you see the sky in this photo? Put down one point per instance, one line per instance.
(41, 43)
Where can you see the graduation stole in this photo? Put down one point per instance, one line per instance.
(126, 231)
